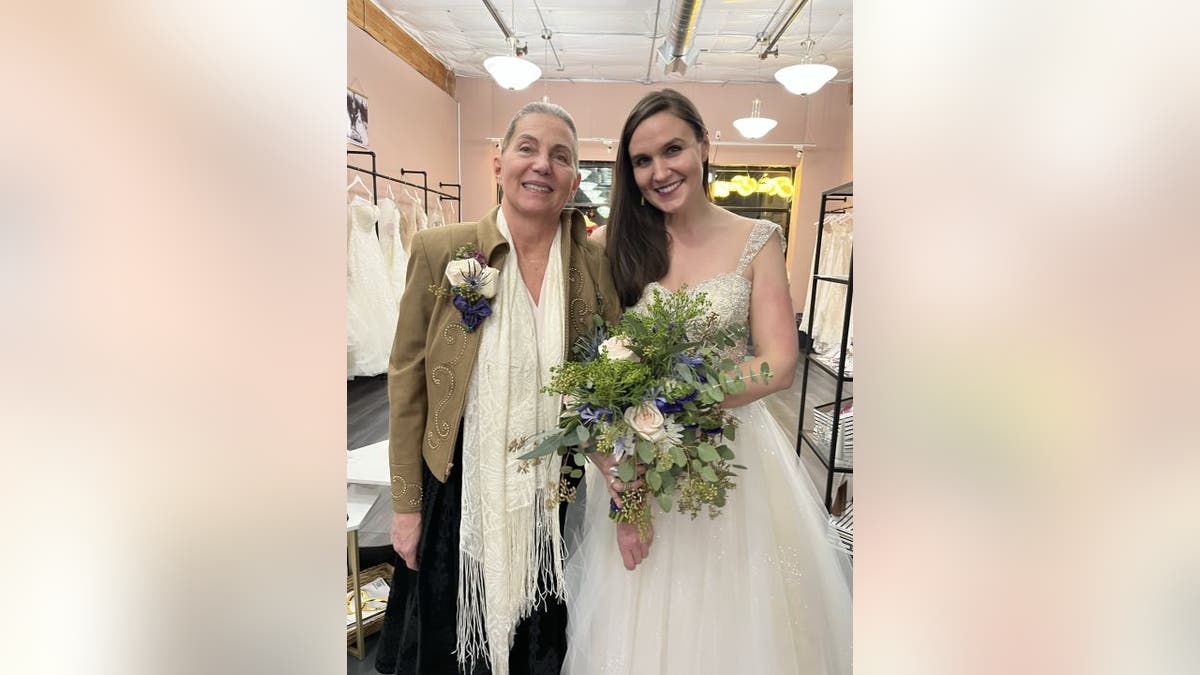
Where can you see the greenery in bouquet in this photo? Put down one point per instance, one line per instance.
(648, 391)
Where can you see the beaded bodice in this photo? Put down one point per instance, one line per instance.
(728, 294)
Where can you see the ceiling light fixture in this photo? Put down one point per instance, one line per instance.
(754, 126)
(806, 77)
(513, 72)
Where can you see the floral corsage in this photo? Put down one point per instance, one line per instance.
(472, 283)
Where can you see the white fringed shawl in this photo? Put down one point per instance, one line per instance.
(510, 546)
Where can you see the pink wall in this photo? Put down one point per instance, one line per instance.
(599, 110)
(412, 123)
(415, 125)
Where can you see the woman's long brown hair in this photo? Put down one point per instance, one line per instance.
(636, 236)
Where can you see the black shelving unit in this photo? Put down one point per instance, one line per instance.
(827, 454)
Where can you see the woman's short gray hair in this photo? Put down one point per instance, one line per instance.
(545, 108)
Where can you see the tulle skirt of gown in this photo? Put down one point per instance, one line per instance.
(763, 588)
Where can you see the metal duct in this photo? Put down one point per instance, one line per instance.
(677, 51)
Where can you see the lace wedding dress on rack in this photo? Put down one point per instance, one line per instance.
(837, 245)
(371, 310)
(412, 216)
(391, 239)
(762, 588)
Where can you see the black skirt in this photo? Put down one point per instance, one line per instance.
(419, 631)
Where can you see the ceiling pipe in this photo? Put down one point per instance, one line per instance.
(508, 34)
(653, 39)
(770, 49)
(677, 50)
(547, 34)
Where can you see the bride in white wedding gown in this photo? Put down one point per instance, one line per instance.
(764, 587)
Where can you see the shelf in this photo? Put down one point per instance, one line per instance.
(835, 280)
(846, 190)
(821, 364)
(839, 467)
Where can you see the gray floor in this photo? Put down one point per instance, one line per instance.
(367, 423)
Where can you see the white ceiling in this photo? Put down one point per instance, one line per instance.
(611, 40)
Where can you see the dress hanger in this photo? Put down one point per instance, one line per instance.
(390, 193)
(359, 181)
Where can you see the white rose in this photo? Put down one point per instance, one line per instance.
(617, 349)
(469, 272)
(487, 281)
(458, 271)
(646, 419)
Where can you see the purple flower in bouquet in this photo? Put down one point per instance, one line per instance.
(473, 313)
(689, 398)
(589, 414)
(688, 359)
(668, 407)
(622, 446)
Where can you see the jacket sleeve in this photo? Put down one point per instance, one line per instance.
(407, 401)
(610, 302)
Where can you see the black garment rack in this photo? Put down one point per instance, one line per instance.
(826, 453)
(373, 172)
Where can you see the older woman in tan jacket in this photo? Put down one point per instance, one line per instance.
(489, 308)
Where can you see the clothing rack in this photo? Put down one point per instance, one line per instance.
(373, 172)
(826, 451)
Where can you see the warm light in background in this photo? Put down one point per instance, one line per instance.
(776, 186)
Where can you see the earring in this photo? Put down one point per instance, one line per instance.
(643, 200)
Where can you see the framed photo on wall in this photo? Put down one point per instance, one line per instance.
(356, 114)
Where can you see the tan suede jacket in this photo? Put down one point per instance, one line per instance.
(433, 354)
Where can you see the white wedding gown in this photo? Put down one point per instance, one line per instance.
(763, 588)
(395, 259)
(371, 310)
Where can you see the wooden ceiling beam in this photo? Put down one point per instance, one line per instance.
(367, 16)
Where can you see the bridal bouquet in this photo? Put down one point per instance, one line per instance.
(648, 391)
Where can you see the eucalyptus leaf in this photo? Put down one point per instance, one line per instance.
(645, 450)
(707, 452)
(708, 474)
(582, 435)
(685, 373)
(549, 445)
(678, 455)
(664, 501)
(729, 432)
(725, 452)
(626, 471)
(654, 480)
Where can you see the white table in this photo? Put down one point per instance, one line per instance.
(368, 465)
(357, 507)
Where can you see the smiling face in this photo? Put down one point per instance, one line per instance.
(537, 167)
(668, 161)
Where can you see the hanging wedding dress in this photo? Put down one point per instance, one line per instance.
(436, 219)
(395, 259)
(762, 588)
(412, 216)
(449, 211)
(837, 245)
(370, 309)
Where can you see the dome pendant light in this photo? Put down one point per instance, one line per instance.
(806, 77)
(754, 126)
(512, 72)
